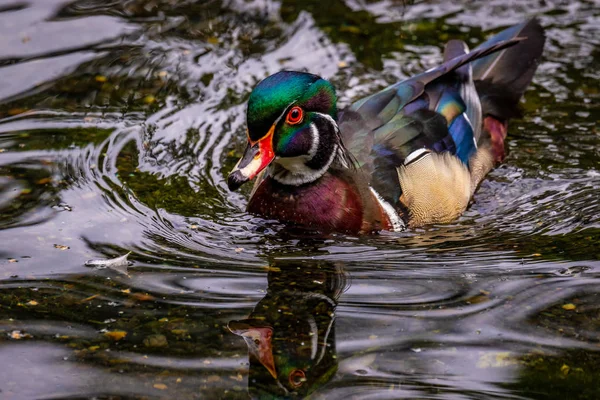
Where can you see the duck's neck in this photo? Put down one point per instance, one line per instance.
(326, 152)
(298, 171)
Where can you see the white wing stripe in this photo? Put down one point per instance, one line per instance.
(398, 224)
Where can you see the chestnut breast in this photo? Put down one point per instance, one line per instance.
(331, 203)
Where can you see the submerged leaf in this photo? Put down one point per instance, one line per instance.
(115, 335)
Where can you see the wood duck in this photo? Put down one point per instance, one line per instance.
(290, 334)
(410, 155)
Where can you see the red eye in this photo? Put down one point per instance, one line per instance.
(297, 378)
(294, 116)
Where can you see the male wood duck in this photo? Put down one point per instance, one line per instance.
(290, 334)
(410, 155)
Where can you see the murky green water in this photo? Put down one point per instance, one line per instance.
(118, 123)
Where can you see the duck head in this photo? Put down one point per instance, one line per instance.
(291, 127)
(290, 334)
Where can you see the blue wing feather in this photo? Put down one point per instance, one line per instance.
(462, 133)
(380, 108)
(381, 130)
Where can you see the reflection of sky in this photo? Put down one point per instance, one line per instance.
(53, 46)
(41, 369)
(446, 341)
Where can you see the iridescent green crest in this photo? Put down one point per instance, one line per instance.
(274, 95)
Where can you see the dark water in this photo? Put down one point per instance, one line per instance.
(119, 121)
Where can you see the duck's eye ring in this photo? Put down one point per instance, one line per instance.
(294, 116)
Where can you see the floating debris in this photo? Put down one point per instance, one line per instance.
(118, 264)
(61, 247)
(92, 297)
(18, 335)
(569, 307)
(111, 262)
(62, 207)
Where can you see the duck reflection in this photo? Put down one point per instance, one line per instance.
(291, 332)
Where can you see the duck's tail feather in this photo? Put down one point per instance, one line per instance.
(501, 78)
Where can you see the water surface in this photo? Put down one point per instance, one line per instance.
(118, 124)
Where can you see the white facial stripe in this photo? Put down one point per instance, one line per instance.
(342, 159)
(283, 113)
(328, 117)
(285, 110)
(315, 141)
(397, 222)
(295, 172)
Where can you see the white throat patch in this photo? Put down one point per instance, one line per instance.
(293, 170)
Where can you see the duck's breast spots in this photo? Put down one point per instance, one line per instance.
(329, 204)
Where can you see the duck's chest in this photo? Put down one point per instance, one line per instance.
(331, 204)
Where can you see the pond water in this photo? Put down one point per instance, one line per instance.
(119, 121)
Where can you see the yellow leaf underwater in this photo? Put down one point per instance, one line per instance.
(115, 335)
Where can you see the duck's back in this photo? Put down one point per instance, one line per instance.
(425, 143)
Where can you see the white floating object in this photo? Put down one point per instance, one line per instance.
(119, 264)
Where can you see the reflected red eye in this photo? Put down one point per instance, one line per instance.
(294, 116)
(297, 378)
